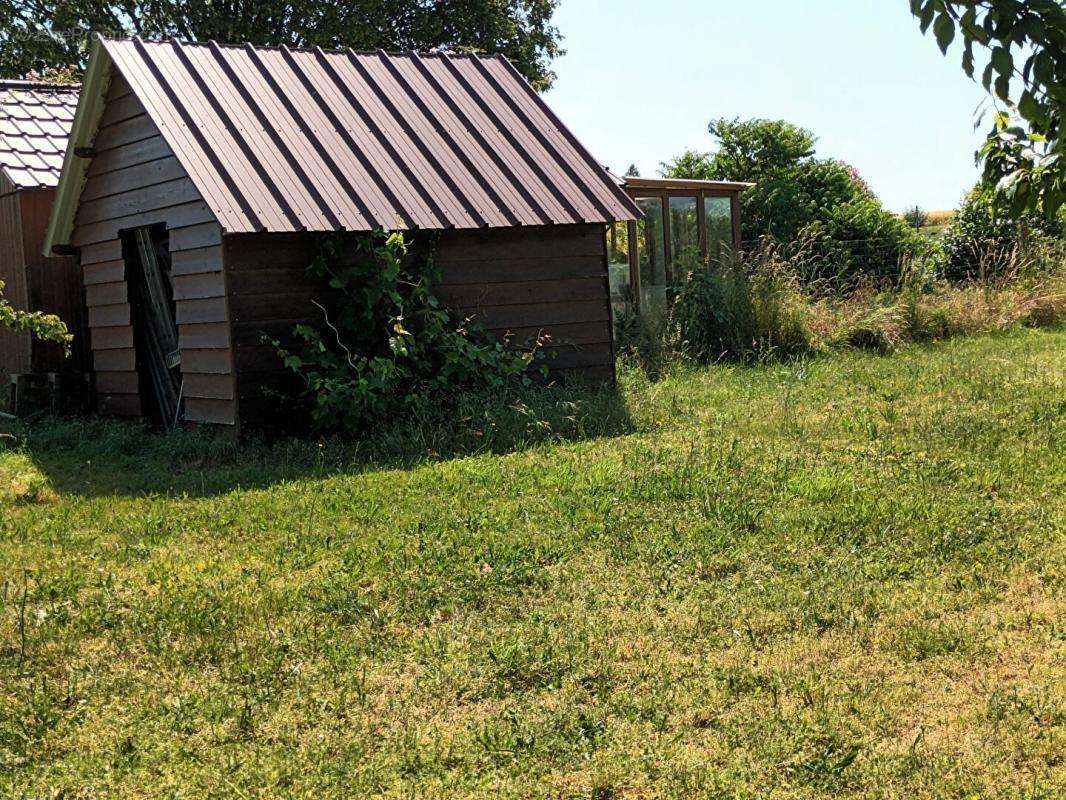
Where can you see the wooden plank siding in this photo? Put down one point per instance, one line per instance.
(14, 347)
(519, 282)
(270, 293)
(36, 283)
(135, 180)
(522, 283)
(54, 287)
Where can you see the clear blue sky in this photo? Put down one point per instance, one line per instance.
(641, 79)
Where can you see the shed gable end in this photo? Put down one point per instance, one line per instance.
(134, 180)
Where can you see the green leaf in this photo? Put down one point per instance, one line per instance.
(986, 78)
(1003, 87)
(968, 22)
(944, 31)
(1003, 61)
(927, 16)
(967, 59)
(1029, 108)
(1043, 69)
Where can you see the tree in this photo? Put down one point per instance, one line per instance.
(752, 149)
(36, 34)
(821, 205)
(691, 164)
(632, 172)
(748, 150)
(916, 217)
(1024, 156)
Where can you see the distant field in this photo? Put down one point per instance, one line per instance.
(937, 222)
(937, 218)
(835, 578)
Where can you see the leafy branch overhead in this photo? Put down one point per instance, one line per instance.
(47, 327)
(37, 34)
(1025, 47)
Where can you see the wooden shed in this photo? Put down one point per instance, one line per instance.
(35, 120)
(200, 175)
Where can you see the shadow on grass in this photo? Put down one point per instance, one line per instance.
(100, 457)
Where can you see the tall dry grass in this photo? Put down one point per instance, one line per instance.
(755, 307)
(1031, 292)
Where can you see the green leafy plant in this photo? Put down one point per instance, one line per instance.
(47, 327)
(388, 347)
(1025, 42)
(984, 240)
(740, 308)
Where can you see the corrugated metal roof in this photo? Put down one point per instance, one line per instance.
(35, 120)
(278, 139)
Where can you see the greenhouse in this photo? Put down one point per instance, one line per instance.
(685, 223)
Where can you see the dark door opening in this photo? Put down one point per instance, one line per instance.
(155, 333)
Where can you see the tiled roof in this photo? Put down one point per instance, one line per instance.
(35, 120)
(287, 140)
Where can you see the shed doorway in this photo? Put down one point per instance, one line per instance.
(146, 253)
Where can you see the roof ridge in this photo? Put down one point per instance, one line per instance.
(339, 50)
(48, 86)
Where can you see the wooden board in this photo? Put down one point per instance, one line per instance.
(208, 310)
(548, 241)
(478, 271)
(109, 316)
(124, 360)
(104, 272)
(562, 290)
(156, 172)
(125, 382)
(212, 387)
(217, 412)
(199, 286)
(205, 361)
(146, 151)
(111, 338)
(105, 294)
(542, 314)
(196, 261)
(206, 335)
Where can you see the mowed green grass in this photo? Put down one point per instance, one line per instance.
(834, 578)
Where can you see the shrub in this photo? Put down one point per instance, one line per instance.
(983, 241)
(389, 348)
(821, 208)
(642, 341)
(741, 309)
(875, 328)
(853, 242)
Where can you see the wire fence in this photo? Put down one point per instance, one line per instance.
(833, 265)
(845, 263)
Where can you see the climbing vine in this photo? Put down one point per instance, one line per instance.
(388, 346)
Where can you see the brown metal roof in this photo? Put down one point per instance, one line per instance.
(35, 120)
(287, 140)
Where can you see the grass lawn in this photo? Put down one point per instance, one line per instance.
(839, 577)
